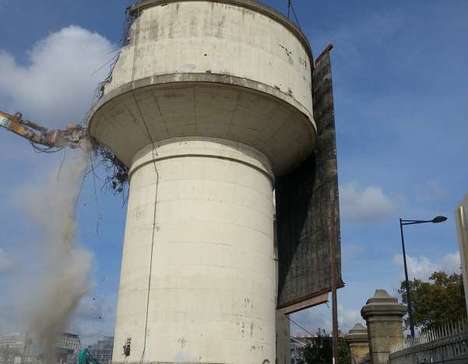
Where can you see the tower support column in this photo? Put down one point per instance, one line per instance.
(198, 272)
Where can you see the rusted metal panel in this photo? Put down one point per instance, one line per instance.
(307, 205)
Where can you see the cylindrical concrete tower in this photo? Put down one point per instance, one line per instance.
(208, 102)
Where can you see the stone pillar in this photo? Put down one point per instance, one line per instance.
(384, 318)
(358, 342)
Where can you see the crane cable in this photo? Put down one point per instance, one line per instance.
(300, 326)
(154, 157)
(153, 233)
(293, 11)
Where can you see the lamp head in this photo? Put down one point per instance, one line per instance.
(439, 219)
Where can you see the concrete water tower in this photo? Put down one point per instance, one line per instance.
(209, 102)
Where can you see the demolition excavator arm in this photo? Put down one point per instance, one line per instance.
(73, 136)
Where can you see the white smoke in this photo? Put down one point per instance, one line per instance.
(45, 276)
(64, 275)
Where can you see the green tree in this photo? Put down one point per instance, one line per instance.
(439, 300)
(319, 351)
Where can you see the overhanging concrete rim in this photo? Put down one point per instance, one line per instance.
(248, 4)
(202, 78)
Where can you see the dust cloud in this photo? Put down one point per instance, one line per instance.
(63, 279)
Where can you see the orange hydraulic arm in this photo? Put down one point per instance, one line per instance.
(71, 137)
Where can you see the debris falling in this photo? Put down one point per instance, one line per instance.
(64, 277)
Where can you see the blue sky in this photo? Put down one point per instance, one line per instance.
(401, 97)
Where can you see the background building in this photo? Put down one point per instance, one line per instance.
(15, 349)
(19, 348)
(102, 350)
(298, 344)
(67, 347)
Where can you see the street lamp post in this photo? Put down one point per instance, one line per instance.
(403, 222)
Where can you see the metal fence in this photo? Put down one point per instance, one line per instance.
(445, 344)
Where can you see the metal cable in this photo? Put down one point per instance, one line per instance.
(154, 155)
(295, 15)
(153, 234)
(300, 326)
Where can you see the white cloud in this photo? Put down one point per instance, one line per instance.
(451, 263)
(360, 205)
(58, 83)
(422, 267)
(5, 262)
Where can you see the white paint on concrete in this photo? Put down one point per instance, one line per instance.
(283, 133)
(218, 38)
(223, 94)
(213, 286)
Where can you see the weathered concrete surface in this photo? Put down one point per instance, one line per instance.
(254, 5)
(130, 121)
(383, 315)
(208, 102)
(358, 341)
(211, 298)
(462, 225)
(208, 68)
(225, 38)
